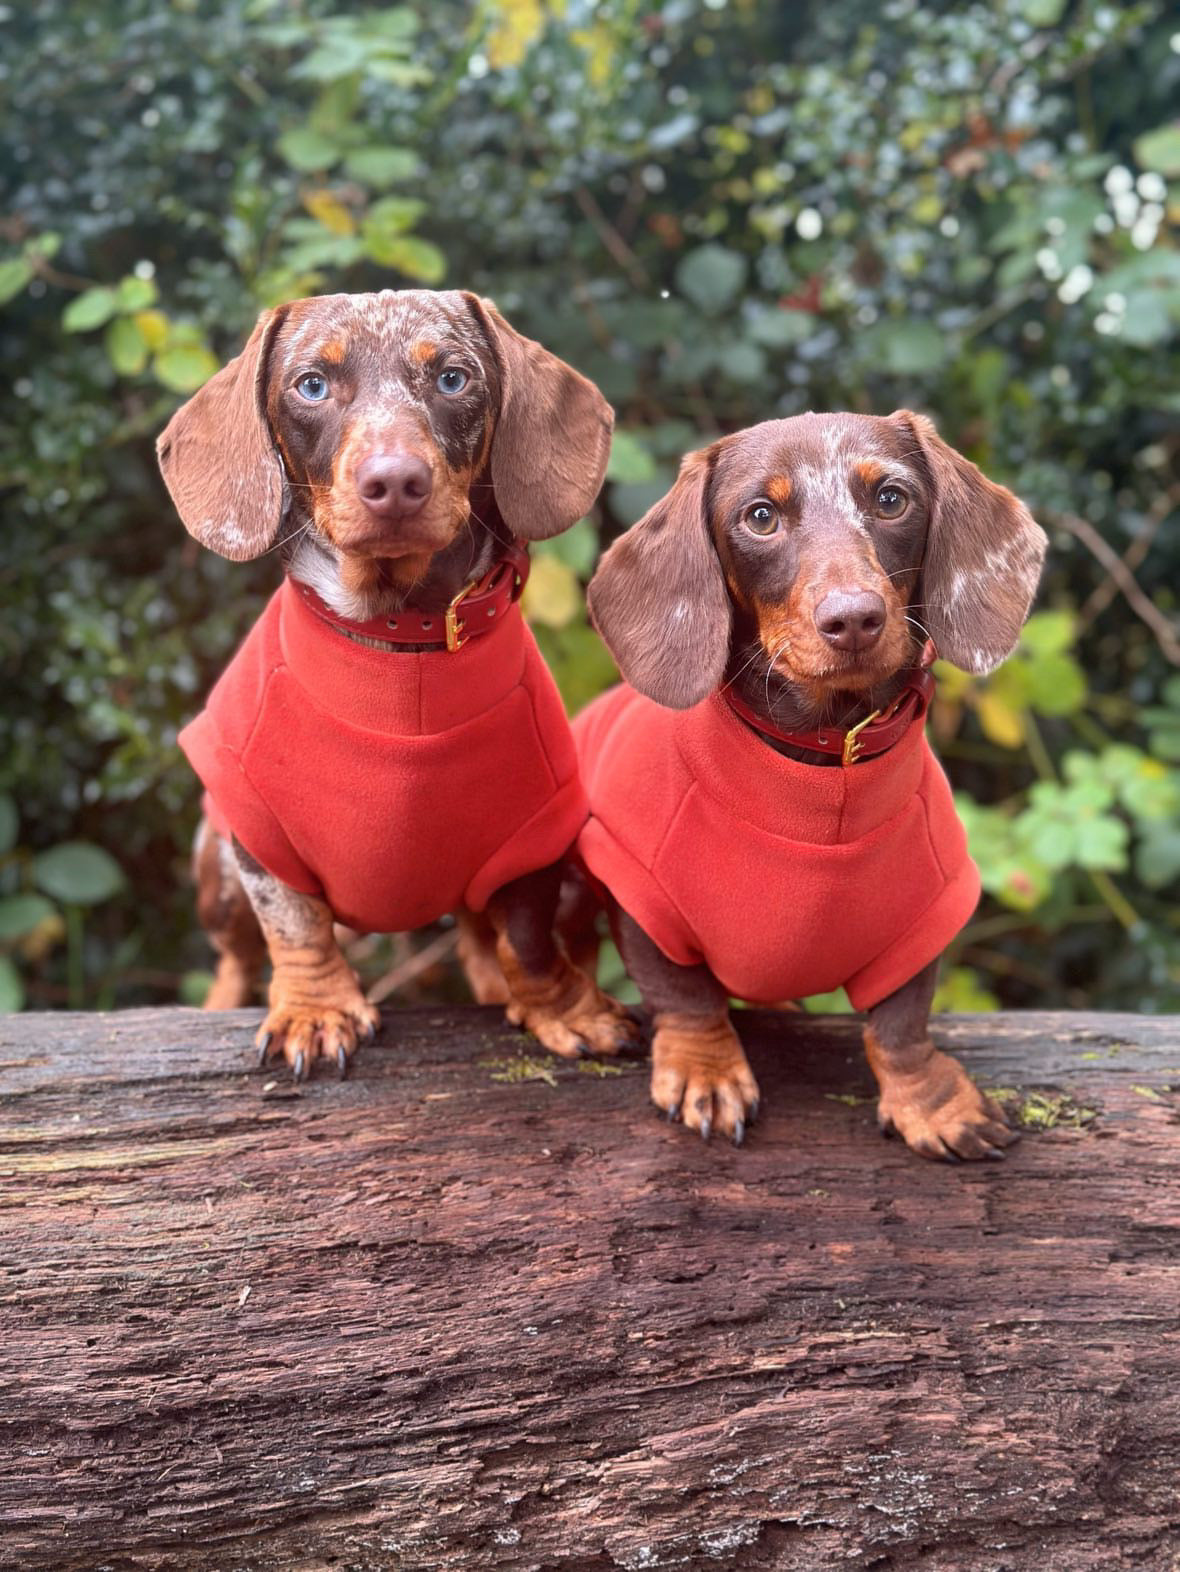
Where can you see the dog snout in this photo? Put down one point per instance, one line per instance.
(394, 485)
(851, 619)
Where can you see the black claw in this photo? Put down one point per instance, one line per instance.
(706, 1129)
(370, 1032)
(739, 1132)
(996, 1155)
(581, 1050)
(886, 1129)
(952, 1157)
(672, 1112)
(754, 1107)
(264, 1050)
(299, 1066)
(341, 1064)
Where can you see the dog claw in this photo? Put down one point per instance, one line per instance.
(739, 1131)
(672, 1112)
(755, 1106)
(341, 1064)
(370, 1032)
(299, 1067)
(706, 1129)
(264, 1050)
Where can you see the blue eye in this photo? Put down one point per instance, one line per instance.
(452, 380)
(312, 387)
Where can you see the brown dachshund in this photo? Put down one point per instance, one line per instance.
(766, 817)
(387, 745)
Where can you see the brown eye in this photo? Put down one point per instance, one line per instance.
(762, 518)
(891, 502)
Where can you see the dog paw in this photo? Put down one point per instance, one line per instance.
(941, 1114)
(571, 1016)
(700, 1075)
(326, 1025)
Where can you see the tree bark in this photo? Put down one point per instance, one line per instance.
(431, 1318)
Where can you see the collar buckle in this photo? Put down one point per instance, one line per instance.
(455, 626)
(852, 743)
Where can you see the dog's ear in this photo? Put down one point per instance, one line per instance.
(659, 597)
(219, 460)
(552, 437)
(983, 560)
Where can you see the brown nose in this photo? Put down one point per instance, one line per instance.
(851, 619)
(394, 485)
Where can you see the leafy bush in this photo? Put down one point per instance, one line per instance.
(722, 210)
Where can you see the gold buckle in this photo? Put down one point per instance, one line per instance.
(852, 738)
(455, 639)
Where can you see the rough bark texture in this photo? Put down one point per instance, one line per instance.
(429, 1319)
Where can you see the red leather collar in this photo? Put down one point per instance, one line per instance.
(875, 734)
(476, 609)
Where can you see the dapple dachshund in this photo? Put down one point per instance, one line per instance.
(387, 745)
(767, 820)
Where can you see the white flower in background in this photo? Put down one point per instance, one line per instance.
(1076, 283)
(809, 225)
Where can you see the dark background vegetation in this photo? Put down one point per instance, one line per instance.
(722, 211)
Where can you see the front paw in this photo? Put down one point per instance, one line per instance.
(700, 1074)
(570, 1015)
(940, 1113)
(325, 1023)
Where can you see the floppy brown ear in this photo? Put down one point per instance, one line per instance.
(219, 459)
(552, 438)
(984, 552)
(659, 597)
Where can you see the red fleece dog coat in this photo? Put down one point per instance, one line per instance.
(785, 879)
(397, 786)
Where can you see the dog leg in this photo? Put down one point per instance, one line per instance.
(225, 913)
(478, 958)
(317, 1008)
(926, 1096)
(562, 1007)
(699, 1070)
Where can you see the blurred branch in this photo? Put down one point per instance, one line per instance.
(611, 239)
(1117, 570)
(422, 960)
(1097, 602)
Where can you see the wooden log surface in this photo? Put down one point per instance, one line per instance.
(439, 1316)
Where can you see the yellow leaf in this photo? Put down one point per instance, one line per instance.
(519, 24)
(599, 47)
(1001, 723)
(327, 209)
(552, 595)
(154, 326)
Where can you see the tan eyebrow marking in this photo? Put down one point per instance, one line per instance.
(870, 471)
(333, 351)
(778, 489)
(424, 350)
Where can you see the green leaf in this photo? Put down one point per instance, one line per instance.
(194, 987)
(781, 329)
(630, 461)
(382, 166)
(552, 595)
(126, 347)
(1146, 319)
(1048, 632)
(20, 914)
(1160, 149)
(392, 215)
(308, 151)
(576, 547)
(908, 348)
(1102, 843)
(12, 990)
(90, 310)
(15, 273)
(1042, 13)
(1057, 685)
(184, 367)
(411, 255)
(711, 276)
(137, 294)
(78, 873)
(743, 362)
(9, 823)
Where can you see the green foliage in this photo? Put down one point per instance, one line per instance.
(722, 210)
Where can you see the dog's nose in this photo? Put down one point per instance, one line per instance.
(394, 485)
(851, 620)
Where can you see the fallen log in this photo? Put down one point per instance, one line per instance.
(476, 1308)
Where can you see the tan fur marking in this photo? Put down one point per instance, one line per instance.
(778, 489)
(423, 351)
(333, 351)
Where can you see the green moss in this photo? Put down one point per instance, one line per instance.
(1042, 1110)
(519, 1068)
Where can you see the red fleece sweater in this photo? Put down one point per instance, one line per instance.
(395, 785)
(786, 879)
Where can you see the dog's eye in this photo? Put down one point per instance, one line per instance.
(452, 380)
(762, 518)
(312, 387)
(891, 502)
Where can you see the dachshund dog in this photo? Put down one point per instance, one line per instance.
(767, 820)
(387, 746)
